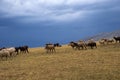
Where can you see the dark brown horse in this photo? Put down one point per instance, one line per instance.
(24, 49)
(77, 46)
(74, 45)
(92, 45)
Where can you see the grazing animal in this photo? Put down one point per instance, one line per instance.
(92, 44)
(72, 44)
(11, 50)
(57, 45)
(23, 49)
(75, 45)
(2, 48)
(117, 39)
(17, 50)
(110, 41)
(106, 41)
(102, 42)
(50, 48)
(4, 53)
(82, 44)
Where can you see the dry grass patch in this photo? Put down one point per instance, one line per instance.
(66, 64)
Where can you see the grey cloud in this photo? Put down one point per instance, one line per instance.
(55, 10)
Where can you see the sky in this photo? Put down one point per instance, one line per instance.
(37, 22)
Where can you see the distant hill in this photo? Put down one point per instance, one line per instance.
(107, 35)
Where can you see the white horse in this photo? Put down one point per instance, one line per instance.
(4, 53)
(11, 50)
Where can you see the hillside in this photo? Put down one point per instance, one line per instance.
(102, 63)
(107, 35)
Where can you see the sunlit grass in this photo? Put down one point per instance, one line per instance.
(102, 63)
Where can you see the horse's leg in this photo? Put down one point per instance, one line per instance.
(54, 50)
(11, 54)
(27, 50)
(85, 47)
(82, 47)
(46, 50)
(24, 50)
(17, 53)
(6, 57)
(96, 46)
(78, 48)
(91, 47)
(50, 50)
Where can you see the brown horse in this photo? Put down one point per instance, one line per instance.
(91, 43)
(110, 41)
(74, 45)
(82, 44)
(50, 48)
(78, 45)
(106, 41)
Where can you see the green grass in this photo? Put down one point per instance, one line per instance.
(102, 63)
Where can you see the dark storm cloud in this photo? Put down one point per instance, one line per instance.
(63, 10)
(34, 21)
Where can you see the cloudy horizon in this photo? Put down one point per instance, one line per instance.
(32, 21)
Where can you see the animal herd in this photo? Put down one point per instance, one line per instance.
(82, 44)
(12, 51)
(109, 41)
(50, 48)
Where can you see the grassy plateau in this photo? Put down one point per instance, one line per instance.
(102, 63)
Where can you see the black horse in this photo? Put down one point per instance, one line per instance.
(23, 49)
(117, 39)
(57, 45)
